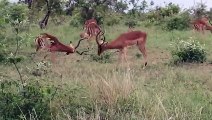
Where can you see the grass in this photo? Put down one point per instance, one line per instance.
(93, 90)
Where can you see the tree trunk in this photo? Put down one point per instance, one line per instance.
(43, 23)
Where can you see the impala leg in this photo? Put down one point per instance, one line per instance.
(125, 54)
(125, 57)
(53, 57)
(37, 48)
(202, 29)
(121, 53)
(142, 48)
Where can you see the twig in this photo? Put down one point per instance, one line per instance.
(15, 54)
(21, 78)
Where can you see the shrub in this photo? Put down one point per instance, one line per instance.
(104, 58)
(131, 23)
(76, 20)
(18, 12)
(24, 102)
(188, 51)
(99, 17)
(41, 68)
(138, 55)
(179, 22)
(75, 23)
(113, 21)
(2, 52)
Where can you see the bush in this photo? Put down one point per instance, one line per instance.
(113, 21)
(99, 17)
(41, 68)
(24, 102)
(104, 58)
(18, 12)
(76, 20)
(179, 22)
(75, 23)
(131, 23)
(188, 51)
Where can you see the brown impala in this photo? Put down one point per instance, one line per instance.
(202, 24)
(42, 42)
(88, 22)
(122, 42)
(91, 28)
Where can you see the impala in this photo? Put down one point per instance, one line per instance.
(88, 22)
(202, 24)
(90, 31)
(42, 42)
(122, 42)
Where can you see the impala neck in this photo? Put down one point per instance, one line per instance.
(110, 45)
(106, 46)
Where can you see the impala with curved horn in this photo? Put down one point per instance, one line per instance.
(202, 24)
(88, 22)
(122, 42)
(91, 28)
(55, 45)
(42, 42)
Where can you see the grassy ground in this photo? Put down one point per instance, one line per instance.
(161, 91)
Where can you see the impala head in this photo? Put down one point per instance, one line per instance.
(100, 42)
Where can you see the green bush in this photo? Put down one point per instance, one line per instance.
(76, 20)
(99, 17)
(104, 58)
(131, 23)
(78, 101)
(18, 12)
(75, 23)
(113, 21)
(3, 54)
(178, 22)
(24, 101)
(41, 68)
(188, 51)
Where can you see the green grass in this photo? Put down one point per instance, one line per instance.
(93, 90)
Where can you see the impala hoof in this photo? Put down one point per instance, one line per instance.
(145, 65)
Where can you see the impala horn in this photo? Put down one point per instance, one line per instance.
(83, 52)
(78, 43)
(97, 38)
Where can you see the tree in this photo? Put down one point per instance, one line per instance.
(121, 6)
(143, 5)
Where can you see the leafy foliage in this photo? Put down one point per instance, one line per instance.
(131, 23)
(104, 58)
(178, 22)
(188, 51)
(18, 12)
(24, 102)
